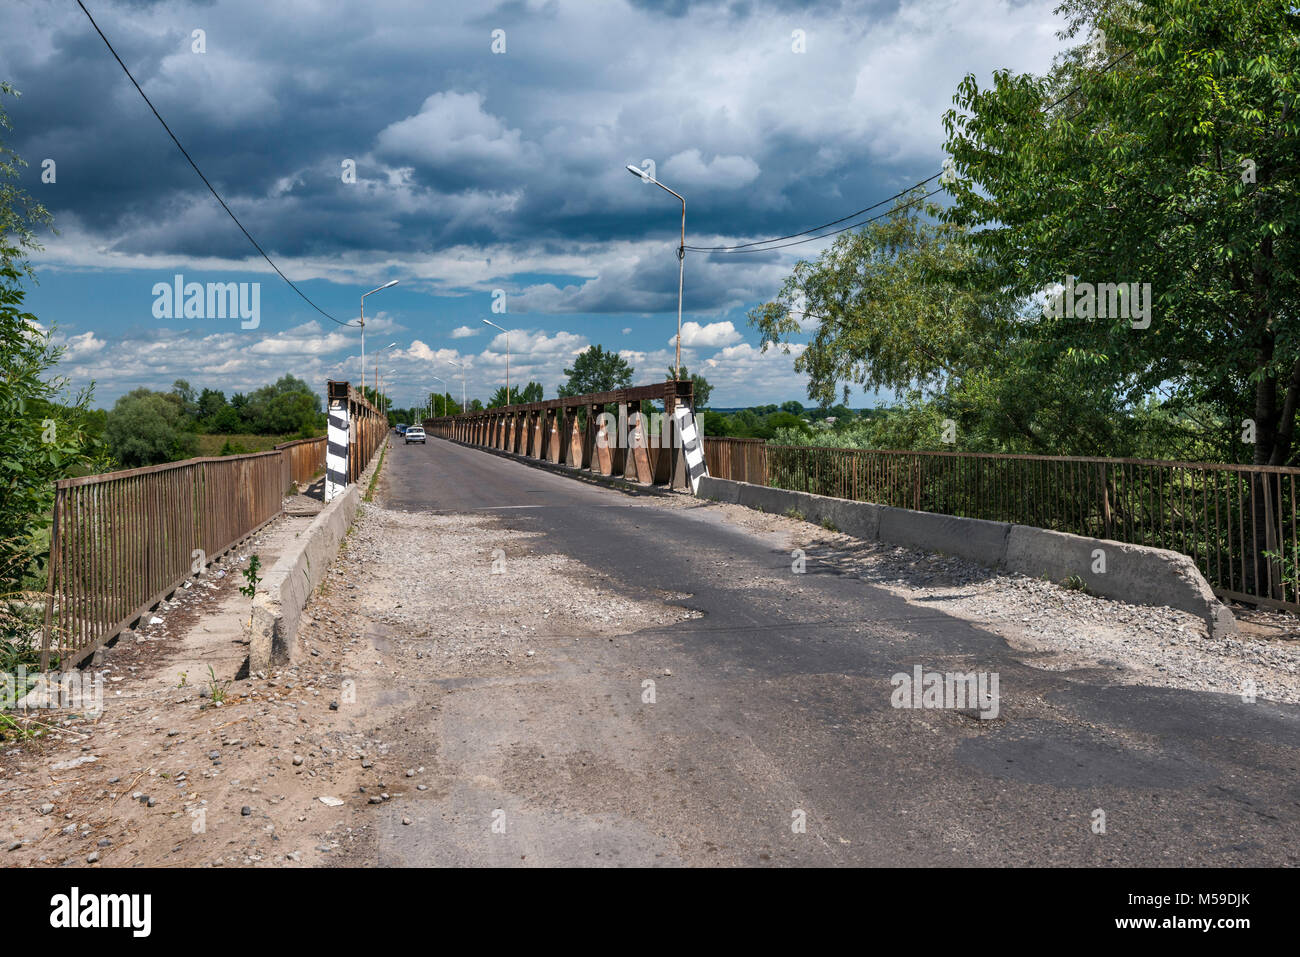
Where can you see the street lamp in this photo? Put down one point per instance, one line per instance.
(383, 399)
(363, 370)
(507, 332)
(391, 282)
(462, 381)
(681, 258)
(444, 400)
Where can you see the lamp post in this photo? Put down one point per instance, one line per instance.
(681, 259)
(383, 400)
(363, 371)
(444, 400)
(507, 332)
(462, 382)
(391, 282)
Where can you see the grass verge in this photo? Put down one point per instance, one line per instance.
(370, 489)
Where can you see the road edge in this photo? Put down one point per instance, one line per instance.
(1136, 574)
(289, 583)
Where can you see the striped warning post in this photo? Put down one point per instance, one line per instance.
(336, 454)
(692, 446)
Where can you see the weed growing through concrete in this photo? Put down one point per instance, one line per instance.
(217, 689)
(249, 588)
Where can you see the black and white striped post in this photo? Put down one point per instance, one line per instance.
(336, 452)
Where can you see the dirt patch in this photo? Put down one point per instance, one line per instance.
(161, 774)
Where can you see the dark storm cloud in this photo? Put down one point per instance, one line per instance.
(453, 145)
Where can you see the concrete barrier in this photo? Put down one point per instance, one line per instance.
(860, 519)
(1132, 573)
(277, 607)
(974, 539)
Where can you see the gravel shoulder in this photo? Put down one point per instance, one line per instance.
(1062, 629)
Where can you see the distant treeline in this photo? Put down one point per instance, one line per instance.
(146, 427)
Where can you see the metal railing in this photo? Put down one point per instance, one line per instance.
(744, 460)
(579, 432)
(1236, 522)
(122, 541)
(306, 458)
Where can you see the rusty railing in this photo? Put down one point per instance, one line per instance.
(571, 432)
(744, 460)
(306, 458)
(1229, 519)
(122, 541)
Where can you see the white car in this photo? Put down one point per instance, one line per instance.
(414, 434)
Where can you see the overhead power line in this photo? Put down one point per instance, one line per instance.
(777, 239)
(734, 250)
(206, 183)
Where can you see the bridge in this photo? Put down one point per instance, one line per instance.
(532, 648)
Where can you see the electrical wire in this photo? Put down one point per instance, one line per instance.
(206, 183)
(777, 239)
(735, 250)
(765, 243)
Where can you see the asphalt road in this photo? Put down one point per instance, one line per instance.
(778, 707)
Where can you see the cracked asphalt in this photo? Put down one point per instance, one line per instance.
(772, 707)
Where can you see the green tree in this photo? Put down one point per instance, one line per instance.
(20, 214)
(188, 398)
(147, 428)
(211, 405)
(288, 406)
(443, 404)
(902, 305)
(1167, 155)
(47, 432)
(532, 392)
(887, 316)
(595, 370)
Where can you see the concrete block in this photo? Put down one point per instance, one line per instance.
(1133, 573)
(974, 539)
(720, 489)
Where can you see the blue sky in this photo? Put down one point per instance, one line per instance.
(475, 171)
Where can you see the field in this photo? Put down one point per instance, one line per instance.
(213, 444)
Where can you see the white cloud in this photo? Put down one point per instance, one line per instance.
(453, 129)
(424, 353)
(463, 332)
(722, 172)
(711, 335)
(309, 339)
(82, 346)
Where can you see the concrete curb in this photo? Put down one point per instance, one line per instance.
(1132, 573)
(277, 607)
